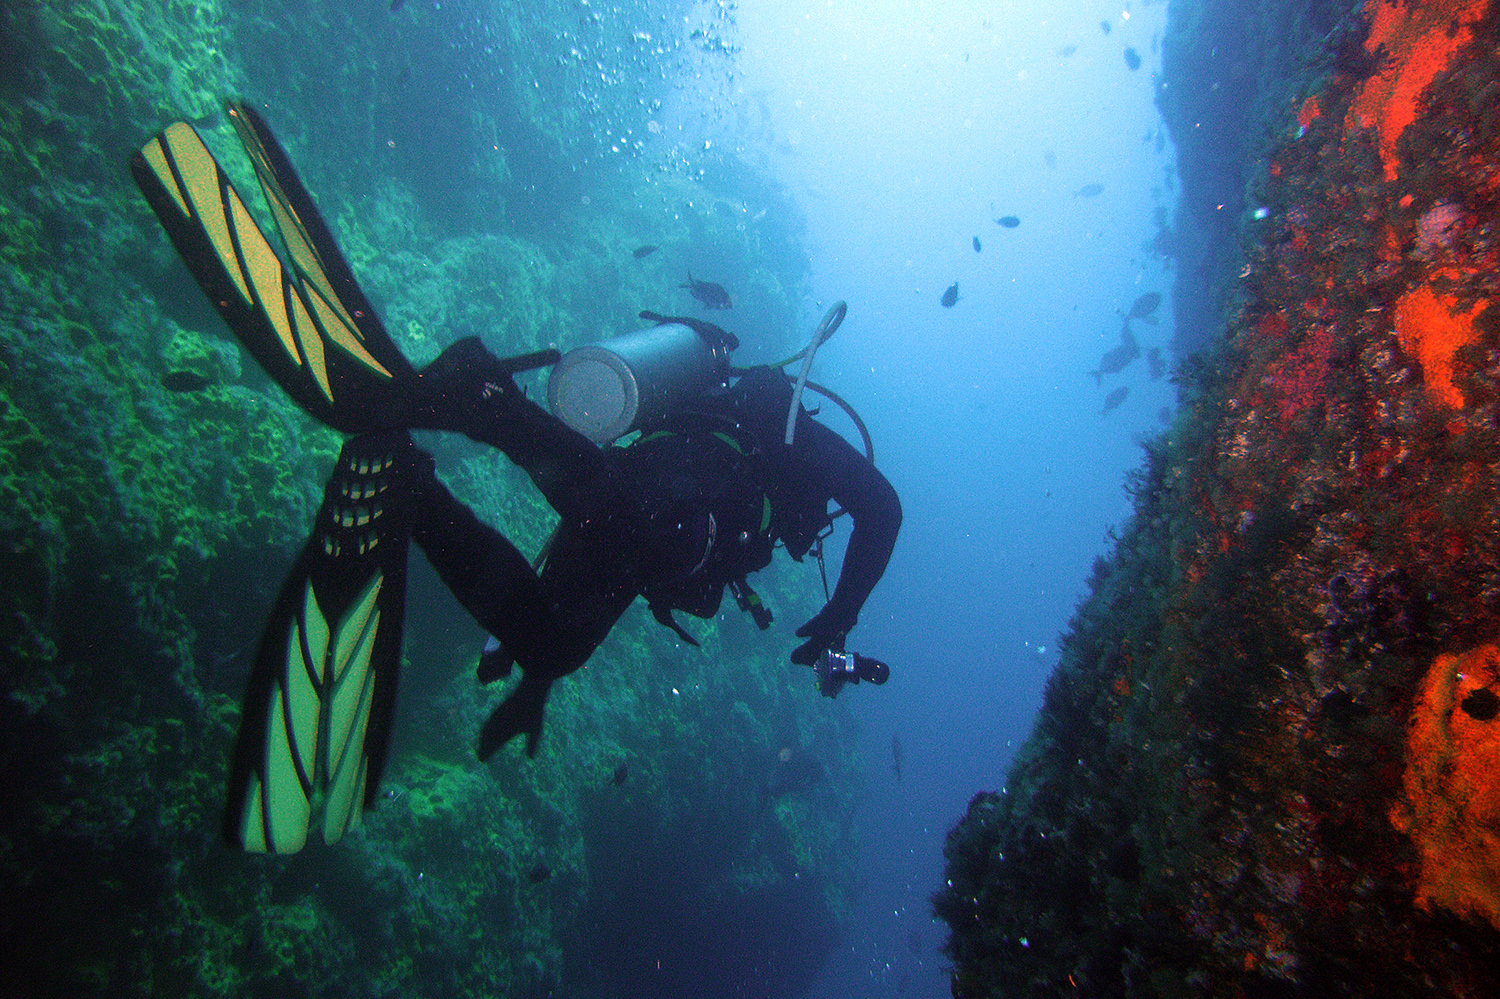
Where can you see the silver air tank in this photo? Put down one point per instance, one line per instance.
(605, 390)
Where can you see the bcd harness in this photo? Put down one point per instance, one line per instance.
(737, 531)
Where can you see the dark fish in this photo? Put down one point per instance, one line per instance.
(896, 756)
(1155, 363)
(950, 296)
(713, 296)
(1116, 358)
(1132, 58)
(1008, 221)
(404, 76)
(397, 5)
(976, 244)
(541, 872)
(185, 381)
(1143, 307)
(644, 251)
(621, 772)
(1089, 191)
(1113, 400)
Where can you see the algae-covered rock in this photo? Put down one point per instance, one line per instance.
(155, 486)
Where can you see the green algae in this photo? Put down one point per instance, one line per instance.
(144, 531)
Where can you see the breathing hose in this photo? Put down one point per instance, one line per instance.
(831, 320)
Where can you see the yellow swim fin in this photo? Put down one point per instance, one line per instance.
(304, 319)
(322, 693)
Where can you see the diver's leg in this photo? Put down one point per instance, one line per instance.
(489, 576)
(586, 587)
(467, 390)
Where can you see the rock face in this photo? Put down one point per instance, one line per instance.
(155, 488)
(1269, 761)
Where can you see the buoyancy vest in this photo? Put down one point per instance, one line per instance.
(719, 496)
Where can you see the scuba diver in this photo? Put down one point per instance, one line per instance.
(722, 469)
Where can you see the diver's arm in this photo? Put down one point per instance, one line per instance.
(858, 486)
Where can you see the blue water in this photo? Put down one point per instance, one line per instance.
(904, 130)
(900, 131)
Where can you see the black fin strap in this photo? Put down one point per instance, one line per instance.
(663, 615)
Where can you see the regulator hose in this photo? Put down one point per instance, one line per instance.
(831, 320)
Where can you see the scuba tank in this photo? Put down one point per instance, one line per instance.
(605, 390)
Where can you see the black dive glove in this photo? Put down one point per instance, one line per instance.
(825, 631)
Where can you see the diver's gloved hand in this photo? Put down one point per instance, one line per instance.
(825, 631)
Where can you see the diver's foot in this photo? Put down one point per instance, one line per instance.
(494, 662)
(466, 389)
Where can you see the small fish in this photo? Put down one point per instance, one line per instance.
(1144, 306)
(1050, 158)
(185, 381)
(896, 756)
(641, 252)
(1113, 400)
(541, 872)
(950, 296)
(1008, 221)
(1132, 58)
(1155, 363)
(403, 77)
(1104, 26)
(977, 247)
(621, 773)
(1117, 358)
(713, 296)
(1089, 191)
(1067, 50)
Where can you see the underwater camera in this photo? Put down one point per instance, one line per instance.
(834, 669)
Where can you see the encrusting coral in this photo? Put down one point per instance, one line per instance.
(1266, 762)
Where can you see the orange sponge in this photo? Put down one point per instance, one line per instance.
(1451, 805)
(1420, 39)
(1431, 329)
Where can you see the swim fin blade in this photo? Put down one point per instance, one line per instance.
(317, 714)
(304, 318)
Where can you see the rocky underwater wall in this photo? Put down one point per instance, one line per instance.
(1268, 763)
(155, 487)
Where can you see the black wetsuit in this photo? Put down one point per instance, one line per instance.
(695, 503)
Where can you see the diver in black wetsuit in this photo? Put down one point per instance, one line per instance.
(695, 503)
(692, 506)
